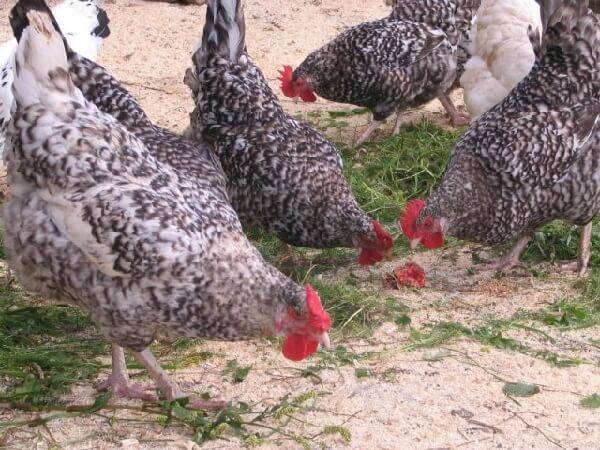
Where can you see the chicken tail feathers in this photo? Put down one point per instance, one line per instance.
(40, 70)
(225, 30)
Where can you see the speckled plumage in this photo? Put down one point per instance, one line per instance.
(453, 17)
(282, 174)
(401, 61)
(96, 218)
(84, 26)
(534, 157)
(101, 88)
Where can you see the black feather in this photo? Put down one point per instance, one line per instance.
(102, 30)
(18, 15)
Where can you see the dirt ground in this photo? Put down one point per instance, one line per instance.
(437, 398)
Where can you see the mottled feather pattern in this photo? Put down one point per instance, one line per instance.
(84, 26)
(404, 60)
(96, 218)
(518, 150)
(569, 48)
(453, 17)
(383, 65)
(282, 174)
(132, 240)
(6, 102)
(101, 88)
(534, 157)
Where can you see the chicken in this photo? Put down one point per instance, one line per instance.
(97, 220)
(282, 174)
(404, 60)
(502, 54)
(534, 157)
(83, 24)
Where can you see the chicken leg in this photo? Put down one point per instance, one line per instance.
(458, 119)
(169, 388)
(368, 132)
(118, 381)
(585, 253)
(511, 259)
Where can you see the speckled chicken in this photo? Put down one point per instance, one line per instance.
(407, 59)
(534, 157)
(282, 174)
(84, 25)
(95, 219)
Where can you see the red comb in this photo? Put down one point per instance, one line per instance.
(370, 256)
(383, 236)
(299, 346)
(408, 223)
(410, 274)
(319, 319)
(408, 220)
(287, 86)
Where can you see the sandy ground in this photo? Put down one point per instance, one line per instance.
(447, 397)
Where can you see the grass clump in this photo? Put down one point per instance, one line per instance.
(559, 241)
(353, 311)
(44, 349)
(402, 167)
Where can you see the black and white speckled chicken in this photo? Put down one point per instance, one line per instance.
(534, 157)
(95, 219)
(412, 56)
(282, 174)
(83, 23)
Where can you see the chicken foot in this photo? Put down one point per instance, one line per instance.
(458, 119)
(169, 388)
(511, 259)
(585, 253)
(118, 381)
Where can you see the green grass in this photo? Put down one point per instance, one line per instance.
(44, 349)
(402, 167)
(559, 241)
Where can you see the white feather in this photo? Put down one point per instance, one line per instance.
(502, 54)
(77, 20)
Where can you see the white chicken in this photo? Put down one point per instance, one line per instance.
(83, 24)
(501, 53)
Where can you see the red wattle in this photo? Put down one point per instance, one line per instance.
(308, 96)
(432, 240)
(287, 86)
(408, 220)
(297, 347)
(368, 257)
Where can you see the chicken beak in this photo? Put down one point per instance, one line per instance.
(414, 243)
(324, 340)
